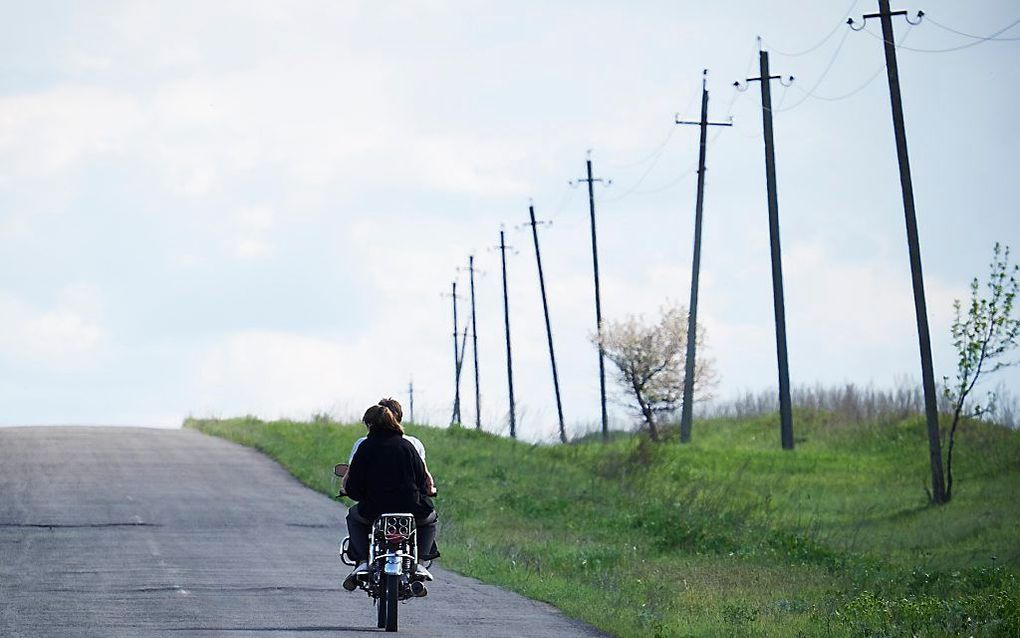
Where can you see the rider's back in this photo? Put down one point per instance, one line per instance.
(388, 475)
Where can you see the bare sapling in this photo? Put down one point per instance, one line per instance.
(984, 334)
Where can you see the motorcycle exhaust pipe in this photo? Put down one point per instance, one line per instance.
(418, 589)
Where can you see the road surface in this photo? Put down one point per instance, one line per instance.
(132, 532)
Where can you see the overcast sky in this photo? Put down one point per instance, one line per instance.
(255, 207)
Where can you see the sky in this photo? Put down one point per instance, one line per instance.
(219, 209)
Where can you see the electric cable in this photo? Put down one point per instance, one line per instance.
(640, 179)
(651, 156)
(842, 23)
(975, 37)
(990, 38)
(821, 78)
(861, 87)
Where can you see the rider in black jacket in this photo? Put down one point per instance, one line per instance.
(387, 475)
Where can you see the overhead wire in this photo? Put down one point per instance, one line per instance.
(990, 38)
(568, 193)
(654, 155)
(984, 38)
(641, 179)
(814, 48)
(821, 78)
(690, 170)
(859, 88)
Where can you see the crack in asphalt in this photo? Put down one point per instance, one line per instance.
(273, 629)
(75, 525)
(176, 589)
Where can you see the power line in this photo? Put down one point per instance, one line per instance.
(987, 38)
(675, 182)
(812, 49)
(655, 154)
(921, 15)
(821, 78)
(640, 179)
(660, 148)
(837, 98)
(861, 87)
(690, 170)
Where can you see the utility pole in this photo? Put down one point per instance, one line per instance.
(474, 342)
(506, 323)
(885, 15)
(598, 302)
(410, 394)
(687, 408)
(548, 326)
(779, 305)
(457, 360)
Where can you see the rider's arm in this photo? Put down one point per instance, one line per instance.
(345, 482)
(354, 482)
(430, 483)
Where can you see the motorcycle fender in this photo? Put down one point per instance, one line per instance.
(392, 567)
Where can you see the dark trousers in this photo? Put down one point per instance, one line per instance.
(359, 527)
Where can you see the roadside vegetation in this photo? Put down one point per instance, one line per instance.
(726, 536)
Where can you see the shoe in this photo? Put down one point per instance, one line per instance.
(351, 582)
(421, 573)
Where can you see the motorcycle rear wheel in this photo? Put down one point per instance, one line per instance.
(380, 603)
(392, 596)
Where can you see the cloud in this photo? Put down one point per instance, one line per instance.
(66, 336)
(50, 131)
(273, 373)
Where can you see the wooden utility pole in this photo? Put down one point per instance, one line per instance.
(885, 15)
(548, 326)
(506, 323)
(457, 359)
(598, 300)
(474, 344)
(410, 398)
(686, 411)
(779, 305)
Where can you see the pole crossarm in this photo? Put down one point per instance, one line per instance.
(884, 14)
(705, 123)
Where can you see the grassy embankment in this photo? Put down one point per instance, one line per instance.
(727, 536)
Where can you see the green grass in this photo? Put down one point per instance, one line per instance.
(727, 536)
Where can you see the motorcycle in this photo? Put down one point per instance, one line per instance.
(392, 562)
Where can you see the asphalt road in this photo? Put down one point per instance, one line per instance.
(136, 532)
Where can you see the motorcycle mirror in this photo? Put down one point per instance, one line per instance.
(340, 469)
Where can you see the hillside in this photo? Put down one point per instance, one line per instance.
(727, 536)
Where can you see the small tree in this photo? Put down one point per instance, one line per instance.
(650, 362)
(983, 335)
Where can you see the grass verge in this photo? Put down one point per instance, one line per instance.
(728, 536)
